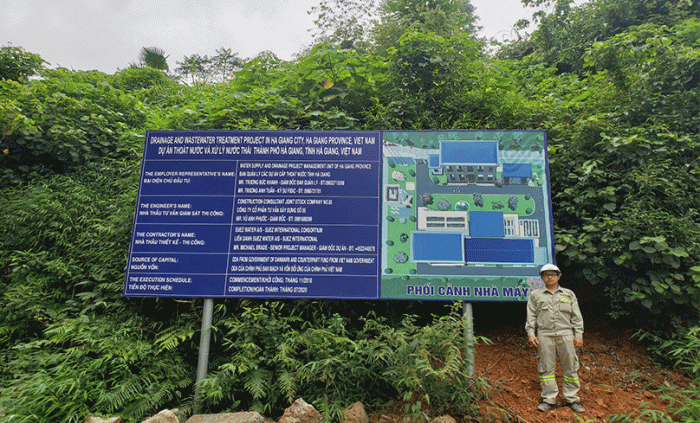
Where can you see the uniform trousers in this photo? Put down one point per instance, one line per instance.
(550, 348)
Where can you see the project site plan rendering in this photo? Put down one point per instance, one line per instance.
(467, 214)
(422, 215)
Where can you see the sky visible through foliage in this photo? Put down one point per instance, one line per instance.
(107, 35)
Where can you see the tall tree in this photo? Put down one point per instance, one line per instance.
(377, 25)
(195, 67)
(346, 23)
(225, 63)
(444, 18)
(204, 69)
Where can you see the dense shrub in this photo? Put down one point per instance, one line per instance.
(624, 152)
(67, 119)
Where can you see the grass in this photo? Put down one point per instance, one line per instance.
(396, 228)
(489, 199)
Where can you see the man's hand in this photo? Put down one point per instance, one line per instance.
(534, 342)
(578, 342)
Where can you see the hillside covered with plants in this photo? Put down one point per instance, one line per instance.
(615, 83)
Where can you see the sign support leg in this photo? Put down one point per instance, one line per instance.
(469, 338)
(204, 342)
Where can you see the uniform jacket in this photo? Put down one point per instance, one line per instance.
(553, 314)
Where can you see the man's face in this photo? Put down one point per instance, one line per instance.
(550, 277)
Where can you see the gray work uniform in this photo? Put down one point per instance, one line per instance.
(556, 320)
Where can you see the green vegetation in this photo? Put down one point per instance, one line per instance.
(489, 199)
(398, 232)
(615, 84)
(406, 174)
(17, 64)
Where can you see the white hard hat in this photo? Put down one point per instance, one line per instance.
(549, 267)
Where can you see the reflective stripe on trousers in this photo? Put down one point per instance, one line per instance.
(562, 347)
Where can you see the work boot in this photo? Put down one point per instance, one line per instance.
(544, 407)
(577, 407)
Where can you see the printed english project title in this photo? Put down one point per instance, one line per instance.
(427, 215)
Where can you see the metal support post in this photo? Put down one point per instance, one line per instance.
(469, 338)
(204, 342)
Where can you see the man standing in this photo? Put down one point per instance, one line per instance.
(555, 326)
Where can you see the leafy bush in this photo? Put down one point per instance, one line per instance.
(686, 354)
(644, 414)
(134, 79)
(478, 199)
(71, 345)
(276, 357)
(683, 352)
(63, 237)
(17, 64)
(430, 371)
(92, 364)
(623, 149)
(625, 178)
(400, 257)
(444, 204)
(67, 119)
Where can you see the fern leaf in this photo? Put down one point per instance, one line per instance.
(256, 382)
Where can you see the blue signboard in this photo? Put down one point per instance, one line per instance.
(443, 215)
(257, 214)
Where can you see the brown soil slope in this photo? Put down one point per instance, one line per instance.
(617, 377)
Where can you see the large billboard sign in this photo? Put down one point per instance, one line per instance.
(439, 215)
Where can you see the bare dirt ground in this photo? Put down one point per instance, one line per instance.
(616, 375)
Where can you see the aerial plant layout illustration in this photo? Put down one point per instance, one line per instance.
(468, 214)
